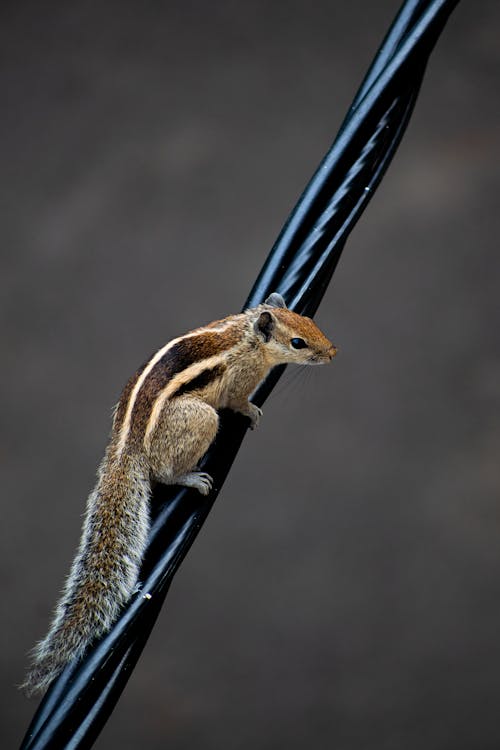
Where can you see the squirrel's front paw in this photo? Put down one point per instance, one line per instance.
(254, 414)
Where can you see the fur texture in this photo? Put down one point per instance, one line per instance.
(164, 423)
(105, 570)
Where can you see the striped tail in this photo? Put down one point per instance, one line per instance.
(105, 571)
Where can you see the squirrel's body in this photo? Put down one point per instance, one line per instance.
(164, 423)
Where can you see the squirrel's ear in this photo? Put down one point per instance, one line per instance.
(275, 300)
(264, 325)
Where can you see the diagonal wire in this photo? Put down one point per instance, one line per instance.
(299, 266)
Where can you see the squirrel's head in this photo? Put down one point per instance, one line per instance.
(288, 337)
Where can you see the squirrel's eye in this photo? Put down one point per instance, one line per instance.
(298, 343)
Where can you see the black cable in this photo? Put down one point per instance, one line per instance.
(300, 267)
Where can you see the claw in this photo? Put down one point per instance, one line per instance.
(254, 416)
(198, 480)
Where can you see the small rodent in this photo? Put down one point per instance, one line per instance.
(163, 424)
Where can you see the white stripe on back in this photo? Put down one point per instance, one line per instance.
(125, 428)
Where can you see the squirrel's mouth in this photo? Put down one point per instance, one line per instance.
(323, 357)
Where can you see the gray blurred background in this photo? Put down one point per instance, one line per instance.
(345, 591)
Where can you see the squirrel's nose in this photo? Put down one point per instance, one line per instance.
(332, 351)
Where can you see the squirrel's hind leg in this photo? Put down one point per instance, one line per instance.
(198, 479)
(182, 434)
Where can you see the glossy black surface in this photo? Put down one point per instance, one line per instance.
(300, 267)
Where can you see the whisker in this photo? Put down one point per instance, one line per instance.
(292, 380)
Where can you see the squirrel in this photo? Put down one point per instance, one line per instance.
(163, 424)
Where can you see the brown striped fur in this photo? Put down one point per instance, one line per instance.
(165, 421)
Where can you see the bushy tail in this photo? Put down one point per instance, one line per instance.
(105, 570)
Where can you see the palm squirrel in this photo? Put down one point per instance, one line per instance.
(163, 424)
